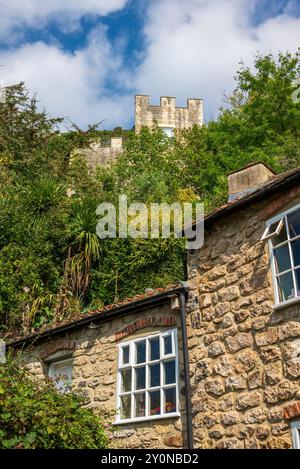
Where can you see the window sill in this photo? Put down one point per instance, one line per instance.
(147, 419)
(285, 304)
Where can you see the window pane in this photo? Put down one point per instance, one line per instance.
(154, 348)
(281, 237)
(169, 373)
(140, 375)
(61, 373)
(139, 405)
(294, 223)
(170, 400)
(282, 258)
(154, 375)
(297, 273)
(125, 355)
(296, 252)
(286, 287)
(126, 380)
(125, 407)
(140, 352)
(168, 131)
(154, 401)
(167, 344)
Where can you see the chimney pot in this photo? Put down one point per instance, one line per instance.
(246, 180)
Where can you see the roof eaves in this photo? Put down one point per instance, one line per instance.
(102, 316)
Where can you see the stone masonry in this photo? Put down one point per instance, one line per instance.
(167, 115)
(101, 155)
(95, 358)
(244, 354)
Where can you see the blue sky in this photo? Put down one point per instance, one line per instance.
(87, 59)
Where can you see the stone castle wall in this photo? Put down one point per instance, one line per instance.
(95, 372)
(167, 114)
(101, 155)
(244, 355)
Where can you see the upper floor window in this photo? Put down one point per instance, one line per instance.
(168, 131)
(61, 373)
(283, 233)
(296, 434)
(148, 378)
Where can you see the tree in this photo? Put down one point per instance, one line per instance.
(52, 265)
(35, 415)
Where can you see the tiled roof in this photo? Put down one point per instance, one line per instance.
(137, 300)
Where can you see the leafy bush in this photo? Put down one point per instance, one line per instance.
(34, 414)
(52, 265)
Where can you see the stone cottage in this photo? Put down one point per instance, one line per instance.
(211, 363)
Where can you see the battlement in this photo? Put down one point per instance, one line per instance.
(167, 115)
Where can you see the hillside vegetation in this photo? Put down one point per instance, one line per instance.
(52, 264)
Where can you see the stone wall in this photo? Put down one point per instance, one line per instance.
(94, 351)
(101, 155)
(167, 114)
(244, 355)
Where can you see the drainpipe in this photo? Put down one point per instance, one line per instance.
(186, 369)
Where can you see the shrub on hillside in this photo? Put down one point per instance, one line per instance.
(34, 414)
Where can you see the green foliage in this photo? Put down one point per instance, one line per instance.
(34, 414)
(52, 265)
(260, 123)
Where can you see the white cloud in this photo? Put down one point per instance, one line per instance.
(16, 13)
(195, 47)
(70, 85)
(193, 50)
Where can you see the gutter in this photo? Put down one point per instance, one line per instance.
(101, 316)
(186, 370)
(120, 311)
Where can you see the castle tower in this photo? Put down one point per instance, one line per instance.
(167, 116)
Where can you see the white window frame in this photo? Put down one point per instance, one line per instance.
(168, 131)
(295, 427)
(57, 363)
(131, 365)
(281, 218)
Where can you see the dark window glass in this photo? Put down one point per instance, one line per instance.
(139, 405)
(126, 380)
(125, 407)
(169, 373)
(154, 400)
(154, 348)
(125, 355)
(140, 375)
(282, 258)
(167, 344)
(140, 352)
(154, 375)
(296, 251)
(170, 400)
(286, 287)
(294, 223)
(297, 274)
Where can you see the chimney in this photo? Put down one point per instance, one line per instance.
(248, 179)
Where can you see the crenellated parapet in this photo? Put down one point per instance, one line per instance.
(167, 115)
